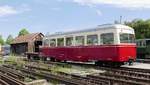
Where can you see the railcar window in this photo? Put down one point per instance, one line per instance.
(127, 38)
(80, 40)
(92, 39)
(60, 42)
(141, 43)
(107, 38)
(53, 42)
(46, 42)
(69, 41)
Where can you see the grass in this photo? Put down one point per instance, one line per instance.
(1, 60)
(12, 59)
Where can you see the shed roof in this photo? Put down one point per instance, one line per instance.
(26, 38)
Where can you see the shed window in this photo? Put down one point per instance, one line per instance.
(107, 38)
(46, 42)
(92, 39)
(69, 41)
(53, 42)
(80, 40)
(60, 42)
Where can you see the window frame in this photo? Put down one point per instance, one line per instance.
(59, 43)
(92, 43)
(51, 43)
(47, 42)
(83, 40)
(72, 40)
(128, 36)
(102, 40)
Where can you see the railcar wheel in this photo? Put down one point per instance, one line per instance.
(53, 59)
(44, 59)
(29, 57)
(64, 61)
(130, 62)
(99, 63)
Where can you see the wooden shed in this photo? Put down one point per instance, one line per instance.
(27, 43)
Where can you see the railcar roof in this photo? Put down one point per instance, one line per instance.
(99, 27)
(143, 39)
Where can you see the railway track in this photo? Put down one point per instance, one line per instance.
(8, 80)
(111, 74)
(72, 80)
(12, 73)
(123, 76)
(76, 77)
(12, 77)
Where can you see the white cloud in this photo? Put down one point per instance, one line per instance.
(117, 3)
(99, 12)
(7, 10)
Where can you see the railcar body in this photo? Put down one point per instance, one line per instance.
(103, 44)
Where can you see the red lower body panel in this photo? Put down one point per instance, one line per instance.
(114, 53)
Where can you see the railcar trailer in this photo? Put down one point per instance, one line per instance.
(143, 48)
(111, 44)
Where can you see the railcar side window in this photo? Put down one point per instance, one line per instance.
(53, 42)
(46, 42)
(127, 38)
(107, 38)
(60, 42)
(80, 40)
(69, 41)
(92, 39)
(141, 43)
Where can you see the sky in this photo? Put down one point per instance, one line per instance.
(51, 16)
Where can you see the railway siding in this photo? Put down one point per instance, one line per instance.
(110, 76)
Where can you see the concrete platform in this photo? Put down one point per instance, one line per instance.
(138, 65)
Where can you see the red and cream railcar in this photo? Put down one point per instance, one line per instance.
(104, 44)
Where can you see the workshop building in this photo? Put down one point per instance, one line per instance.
(27, 43)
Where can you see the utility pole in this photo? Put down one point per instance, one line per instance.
(120, 19)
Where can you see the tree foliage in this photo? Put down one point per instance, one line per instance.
(9, 39)
(1, 40)
(142, 28)
(23, 32)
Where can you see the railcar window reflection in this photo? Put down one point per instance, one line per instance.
(69, 41)
(107, 38)
(46, 42)
(127, 38)
(53, 42)
(60, 42)
(79, 40)
(92, 39)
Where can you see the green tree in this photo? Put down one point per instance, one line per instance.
(142, 28)
(23, 32)
(1, 40)
(9, 39)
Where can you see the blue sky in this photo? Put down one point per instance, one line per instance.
(66, 15)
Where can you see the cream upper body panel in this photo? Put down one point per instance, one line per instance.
(116, 29)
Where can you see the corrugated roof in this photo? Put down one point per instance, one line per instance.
(26, 38)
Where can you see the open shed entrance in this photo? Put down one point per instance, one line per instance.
(37, 45)
(19, 48)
